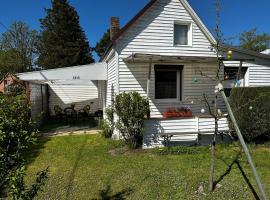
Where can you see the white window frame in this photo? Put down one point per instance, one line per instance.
(179, 86)
(189, 35)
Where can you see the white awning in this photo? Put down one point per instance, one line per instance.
(140, 57)
(83, 73)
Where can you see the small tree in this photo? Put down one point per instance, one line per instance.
(131, 109)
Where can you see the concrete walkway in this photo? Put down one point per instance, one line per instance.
(67, 130)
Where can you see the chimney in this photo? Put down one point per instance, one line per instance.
(114, 27)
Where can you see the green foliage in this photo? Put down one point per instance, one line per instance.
(131, 109)
(17, 133)
(253, 41)
(18, 190)
(251, 108)
(63, 42)
(7, 62)
(16, 88)
(18, 48)
(108, 124)
(103, 44)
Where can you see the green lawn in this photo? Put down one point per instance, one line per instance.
(83, 167)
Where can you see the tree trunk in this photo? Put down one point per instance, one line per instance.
(213, 150)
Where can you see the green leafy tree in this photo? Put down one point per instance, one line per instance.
(18, 48)
(103, 44)
(8, 63)
(17, 134)
(253, 41)
(63, 42)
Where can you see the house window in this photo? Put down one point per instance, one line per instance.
(230, 73)
(168, 79)
(230, 78)
(182, 34)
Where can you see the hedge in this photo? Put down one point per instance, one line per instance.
(251, 107)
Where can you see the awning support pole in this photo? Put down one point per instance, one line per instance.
(149, 77)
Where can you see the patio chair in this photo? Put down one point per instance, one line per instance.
(59, 114)
(85, 111)
(71, 114)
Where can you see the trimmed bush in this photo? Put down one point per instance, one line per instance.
(131, 109)
(251, 107)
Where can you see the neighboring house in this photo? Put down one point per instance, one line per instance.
(6, 81)
(161, 53)
(79, 85)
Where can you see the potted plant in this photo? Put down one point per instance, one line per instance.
(178, 112)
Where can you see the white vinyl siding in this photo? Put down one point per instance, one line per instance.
(154, 33)
(185, 131)
(134, 78)
(111, 78)
(80, 95)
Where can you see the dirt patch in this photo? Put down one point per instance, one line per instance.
(66, 130)
(118, 151)
(125, 151)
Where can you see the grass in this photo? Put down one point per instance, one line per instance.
(83, 167)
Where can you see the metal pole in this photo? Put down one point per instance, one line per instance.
(242, 141)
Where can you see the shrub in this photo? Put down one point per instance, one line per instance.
(131, 109)
(107, 125)
(17, 133)
(251, 107)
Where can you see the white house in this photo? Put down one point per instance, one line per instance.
(161, 53)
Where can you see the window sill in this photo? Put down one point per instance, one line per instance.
(178, 45)
(167, 101)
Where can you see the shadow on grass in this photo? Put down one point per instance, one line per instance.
(107, 194)
(35, 149)
(229, 169)
(74, 169)
(52, 124)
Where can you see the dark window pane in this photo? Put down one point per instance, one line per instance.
(166, 84)
(230, 73)
(180, 34)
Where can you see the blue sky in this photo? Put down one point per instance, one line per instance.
(237, 15)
